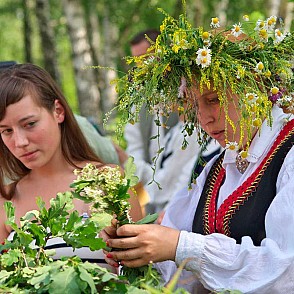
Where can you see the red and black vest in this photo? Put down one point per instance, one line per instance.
(243, 212)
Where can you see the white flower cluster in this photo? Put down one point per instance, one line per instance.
(203, 57)
(101, 187)
(265, 28)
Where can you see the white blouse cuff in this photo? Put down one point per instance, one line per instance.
(190, 249)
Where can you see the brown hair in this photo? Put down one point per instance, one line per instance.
(141, 36)
(19, 81)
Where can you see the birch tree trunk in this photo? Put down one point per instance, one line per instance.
(27, 31)
(198, 9)
(274, 7)
(47, 38)
(103, 53)
(221, 11)
(88, 93)
(109, 56)
(289, 14)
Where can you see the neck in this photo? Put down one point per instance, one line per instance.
(54, 169)
(246, 142)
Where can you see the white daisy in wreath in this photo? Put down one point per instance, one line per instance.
(203, 57)
(236, 31)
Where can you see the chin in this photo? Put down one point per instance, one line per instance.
(222, 143)
(32, 165)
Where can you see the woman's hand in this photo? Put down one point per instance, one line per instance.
(106, 234)
(141, 244)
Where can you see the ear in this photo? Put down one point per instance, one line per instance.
(58, 111)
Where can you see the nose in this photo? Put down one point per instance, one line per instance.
(205, 115)
(20, 139)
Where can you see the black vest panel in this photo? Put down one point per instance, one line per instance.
(198, 222)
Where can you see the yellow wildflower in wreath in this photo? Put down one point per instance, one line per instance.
(254, 61)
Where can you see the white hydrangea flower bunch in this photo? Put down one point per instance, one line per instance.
(105, 189)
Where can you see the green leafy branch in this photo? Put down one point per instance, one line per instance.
(26, 266)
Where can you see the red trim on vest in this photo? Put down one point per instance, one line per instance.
(212, 204)
(218, 221)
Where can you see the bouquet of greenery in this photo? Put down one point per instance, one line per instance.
(106, 191)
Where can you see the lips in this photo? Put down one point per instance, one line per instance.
(28, 155)
(217, 134)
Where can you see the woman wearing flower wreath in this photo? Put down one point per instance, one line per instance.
(234, 228)
(41, 145)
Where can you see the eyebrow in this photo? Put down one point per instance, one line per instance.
(209, 93)
(21, 120)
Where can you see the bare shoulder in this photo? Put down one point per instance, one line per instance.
(3, 229)
(2, 201)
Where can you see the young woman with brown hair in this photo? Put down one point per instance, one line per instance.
(41, 144)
